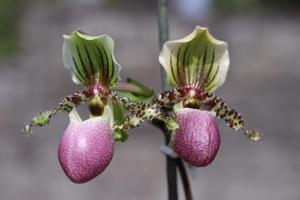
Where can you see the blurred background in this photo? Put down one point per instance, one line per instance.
(264, 45)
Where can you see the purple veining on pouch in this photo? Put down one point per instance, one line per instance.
(198, 139)
(86, 148)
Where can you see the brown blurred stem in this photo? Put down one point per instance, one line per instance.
(172, 163)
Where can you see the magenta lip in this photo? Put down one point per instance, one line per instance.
(198, 139)
(86, 148)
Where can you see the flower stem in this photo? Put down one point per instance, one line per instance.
(171, 162)
(163, 37)
(163, 34)
(184, 179)
(171, 173)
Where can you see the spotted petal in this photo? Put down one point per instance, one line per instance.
(198, 59)
(90, 59)
(86, 148)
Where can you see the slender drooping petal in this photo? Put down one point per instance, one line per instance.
(198, 60)
(66, 105)
(198, 139)
(91, 59)
(86, 148)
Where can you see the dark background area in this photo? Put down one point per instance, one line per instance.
(262, 83)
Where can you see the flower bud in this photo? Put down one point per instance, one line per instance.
(86, 148)
(197, 140)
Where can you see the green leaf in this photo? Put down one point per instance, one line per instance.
(134, 98)
(118, 112)
(119, 115)
(198, 59)
(171, 124)
(142, 91)
(120, 135)
(90, 59)
(135, 91)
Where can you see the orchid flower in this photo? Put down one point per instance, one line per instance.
(86, 147)
(93, 65)
(196, 66)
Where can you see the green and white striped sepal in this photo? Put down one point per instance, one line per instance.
(198, 59)
(91, 59)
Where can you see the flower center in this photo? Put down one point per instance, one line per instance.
(191, 103)
(96, 105)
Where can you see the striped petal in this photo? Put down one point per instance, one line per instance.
(90, 59)
(198, 59)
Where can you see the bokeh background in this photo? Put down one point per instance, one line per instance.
(263, 84)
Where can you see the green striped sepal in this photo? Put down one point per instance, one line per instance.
(198, 60)
(90, 59)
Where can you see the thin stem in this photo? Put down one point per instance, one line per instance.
(163, 37)
(184, 179)
(163, 28)
(171, 174)
(171, 162)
